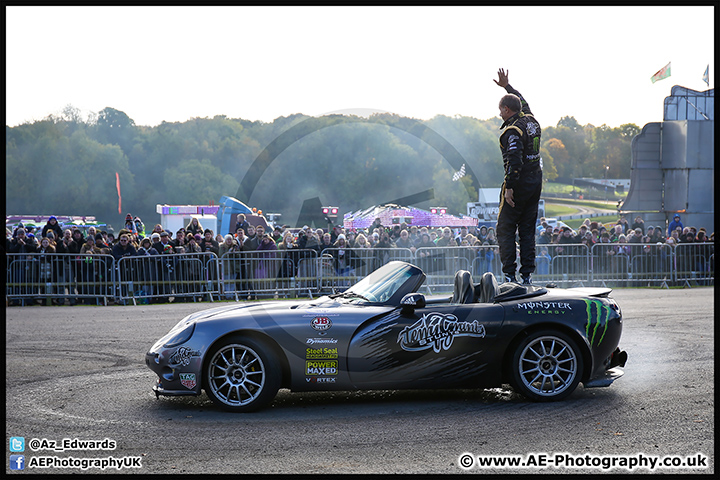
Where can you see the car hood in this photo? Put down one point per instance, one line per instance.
(282, 311)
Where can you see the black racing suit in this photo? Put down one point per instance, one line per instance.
(520, 146)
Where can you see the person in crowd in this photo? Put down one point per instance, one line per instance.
(22, 243)
(146, 248)
(229, 262)
(130, 225)
(194, 227)
(623, 222)
(139, 227)
(615, 233)
(361, 241)
(241, 222)
(491, 236)
(381, 253)
(259, 233)
(123, 248)
(49, 267)
(193, 269)
(208, 243)
(156, 229)
(543, 261)
(252, 241)
(567, 242)
(405, 242)
(91, 271)
(326, 243)
(581, 233)
(377, 223)
(165, 265)
(446, 240)
(77, 241)
(461, 236)
(344, 257)
(674, 224)
(638, 223)
(545, 236)
(145, 270)
(351, 236)
(482, 233)
(179, 241)
(264, 268)
(52, 225)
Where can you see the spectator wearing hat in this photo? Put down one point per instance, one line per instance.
(130, 225)
(52, 225)
(139, 227)
(209, 244)
(22, 243)
(674, 224)
(102, 244)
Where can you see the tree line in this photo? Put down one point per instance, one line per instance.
(66, 165)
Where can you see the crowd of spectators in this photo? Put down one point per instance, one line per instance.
(133, 240)
(592, 232)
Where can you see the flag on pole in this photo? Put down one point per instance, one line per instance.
(706, 75)
(117, 184)
(459, 174)
(662, 73)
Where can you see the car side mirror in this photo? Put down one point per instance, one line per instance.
(411, 301)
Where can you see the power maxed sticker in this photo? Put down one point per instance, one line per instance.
(321, 367)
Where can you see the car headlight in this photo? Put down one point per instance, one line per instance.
(179, 337)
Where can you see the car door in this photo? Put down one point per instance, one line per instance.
(440, 346)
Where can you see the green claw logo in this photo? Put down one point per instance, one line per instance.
(601, 312)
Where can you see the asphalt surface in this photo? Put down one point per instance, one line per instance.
(78, 373)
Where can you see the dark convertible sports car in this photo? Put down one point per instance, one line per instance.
(383, 334)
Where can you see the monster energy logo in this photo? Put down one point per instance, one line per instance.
(597, 312)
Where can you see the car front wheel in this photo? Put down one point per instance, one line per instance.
(547, 366)
(241, 375)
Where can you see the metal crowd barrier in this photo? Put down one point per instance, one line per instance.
(99, 279)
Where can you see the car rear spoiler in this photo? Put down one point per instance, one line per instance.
(592, 291)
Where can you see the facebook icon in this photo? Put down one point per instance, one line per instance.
(17, 462)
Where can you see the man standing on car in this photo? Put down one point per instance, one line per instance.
(520, 193)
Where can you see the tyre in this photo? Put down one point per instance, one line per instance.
(241, 375)
(546, 366)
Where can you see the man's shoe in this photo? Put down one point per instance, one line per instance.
(527, 280)
(510, 278)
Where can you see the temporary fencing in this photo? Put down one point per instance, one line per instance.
(292, 273)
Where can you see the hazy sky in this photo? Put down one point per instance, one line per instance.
(259, 63)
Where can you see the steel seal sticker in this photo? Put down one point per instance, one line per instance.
(188, 380)
(437, 331)
(320, 353)
(601, 315)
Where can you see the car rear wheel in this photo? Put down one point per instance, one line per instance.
(242, 375)
(547, 366)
